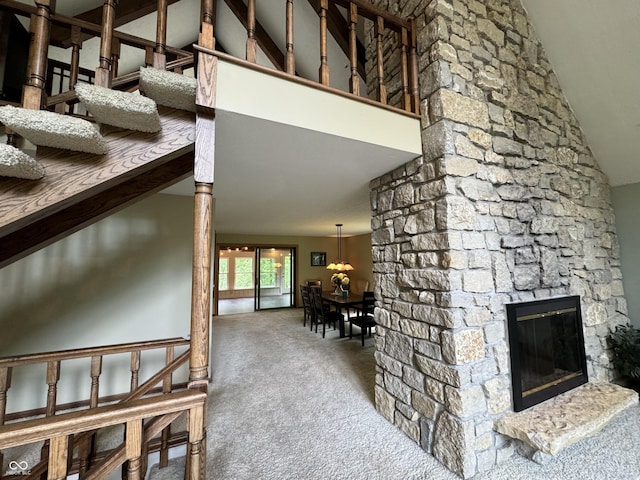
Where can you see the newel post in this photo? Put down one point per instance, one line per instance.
(33, 94)
(203, 221)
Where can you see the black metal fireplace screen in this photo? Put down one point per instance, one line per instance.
(547, 349)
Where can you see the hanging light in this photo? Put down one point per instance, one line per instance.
(340, 264)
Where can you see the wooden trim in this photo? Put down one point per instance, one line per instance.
(38, 412)
(302, 81)
(40, 429)
(60, 355)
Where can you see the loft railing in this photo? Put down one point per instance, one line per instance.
(59, 432)
(390, 75)
(94, 358)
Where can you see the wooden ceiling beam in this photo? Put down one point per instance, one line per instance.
(125, 12)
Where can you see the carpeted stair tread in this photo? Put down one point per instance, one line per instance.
(51, 129)
(16, 163)
(120, 109)
(168, 88)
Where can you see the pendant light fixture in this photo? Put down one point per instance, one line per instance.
(340, 264)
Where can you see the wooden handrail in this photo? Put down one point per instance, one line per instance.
(14, 361)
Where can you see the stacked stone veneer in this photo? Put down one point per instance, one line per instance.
(506, 205)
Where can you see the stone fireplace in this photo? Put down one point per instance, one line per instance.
(507, 205)
(546, 346)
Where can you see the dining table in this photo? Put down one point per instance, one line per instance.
(340, 302)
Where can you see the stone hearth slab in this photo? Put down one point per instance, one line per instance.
(551, 426)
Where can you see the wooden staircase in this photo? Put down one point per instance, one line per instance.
(79, 189)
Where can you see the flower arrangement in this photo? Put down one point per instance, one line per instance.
(340, 280)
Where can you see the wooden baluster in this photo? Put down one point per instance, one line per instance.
(379, 32)
(207, 37)
(5, 384)
(148, 57)
(133, 447)
(53, 376)
(354, 82)
(196, 452)
(86, 450)
(290, 60)
(160, 56)
(324, 66)
(103, 72)
(74, 65)
(251, 32)
(115, 57)
(12, 137)
(413, 56)
(135, 369)
(58, 458)
(404, 68)
(167, 386)
(33, 94)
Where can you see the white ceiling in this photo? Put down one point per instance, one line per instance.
(592, 45)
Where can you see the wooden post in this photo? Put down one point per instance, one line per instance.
(196, 460)
(133, 447)
(379, 32)
(252, 44)
(203, 214)
(58, 456)
(160, 57)
(324, 65)
(207, 37)
(354, 81)
(290, 61)
(103, 72)
(33, 94)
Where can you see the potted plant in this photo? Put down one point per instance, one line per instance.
(625, 341)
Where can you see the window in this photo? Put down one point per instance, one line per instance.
(243, 273)
(267, 272)
(223, 274)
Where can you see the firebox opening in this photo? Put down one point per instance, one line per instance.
(547, 349)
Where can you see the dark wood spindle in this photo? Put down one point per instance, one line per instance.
(148, 57)
(52, 379)
(413, 57)
(379, 33)
(354, 81)
(166, 432)
(74, 64)
(324, 65)
(33, 95)
(290, 61)
(404, 68)
(12, 137)
(115, 57)
(103, 72)
(135, 369)
(5, 384)
(252, 44)
(160, 57)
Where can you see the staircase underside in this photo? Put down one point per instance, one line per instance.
(79, 189)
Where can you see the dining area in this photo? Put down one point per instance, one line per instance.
(337, 309)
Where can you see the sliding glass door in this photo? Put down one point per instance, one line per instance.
(274, 278)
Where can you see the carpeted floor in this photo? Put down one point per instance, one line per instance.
(287, 404)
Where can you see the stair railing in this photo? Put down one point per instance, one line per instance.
(52, 362)
(58, 433)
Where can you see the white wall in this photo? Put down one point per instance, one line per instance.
(126, 278)
(625, 203)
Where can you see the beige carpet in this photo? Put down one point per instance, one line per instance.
(287, 404)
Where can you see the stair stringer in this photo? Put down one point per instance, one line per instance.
(79, 188)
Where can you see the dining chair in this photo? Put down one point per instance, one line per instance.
(306, 305)
(364, 317)
(321, 311)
